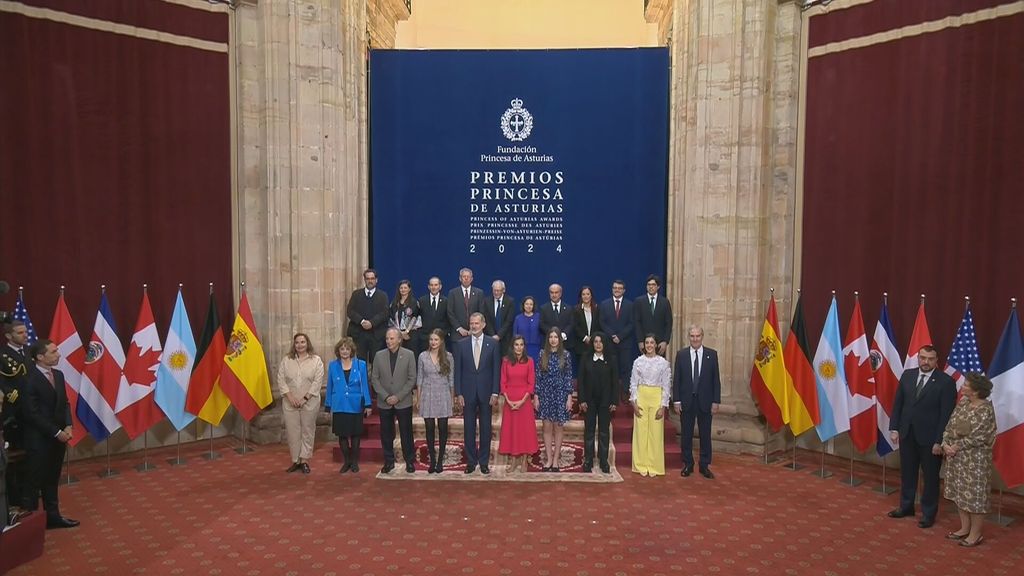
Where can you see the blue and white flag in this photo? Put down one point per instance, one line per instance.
(176, 368)
(21, 314)
(964, 357)
(833, 396)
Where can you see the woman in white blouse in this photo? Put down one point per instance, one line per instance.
(650, 388)
(300, 375)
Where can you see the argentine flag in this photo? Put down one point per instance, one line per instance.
(833, 394)
(176, 368)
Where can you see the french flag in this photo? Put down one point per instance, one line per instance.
(1007, 374)
(101, 377)
(887, 368)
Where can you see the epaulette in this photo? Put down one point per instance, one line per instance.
(11, 368)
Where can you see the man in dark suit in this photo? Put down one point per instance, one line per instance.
(393, 376)
(653, 315)
(617, 322)
(555, 314)
(499, 310)
(368, 316)
(433, 314)
(697, 387)
(477, 380)
(47, 429)
(463, 301)
(924, 402)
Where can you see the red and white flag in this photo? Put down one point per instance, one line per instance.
(72, 361)
(921, 336)
(136, 406)
(857, 362)
(1007, 373)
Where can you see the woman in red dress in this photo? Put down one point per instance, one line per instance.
(518, 430)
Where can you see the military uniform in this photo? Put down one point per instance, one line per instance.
(13, 372)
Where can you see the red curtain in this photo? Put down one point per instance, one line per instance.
(115, 161)
(914, 178)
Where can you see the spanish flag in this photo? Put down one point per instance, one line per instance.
(769, 379)
(243, 377)
(205, 398)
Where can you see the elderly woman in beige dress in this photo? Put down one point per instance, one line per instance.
(300, 375)
(967, 444)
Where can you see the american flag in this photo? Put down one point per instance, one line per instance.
(20, 313)
(963, 357)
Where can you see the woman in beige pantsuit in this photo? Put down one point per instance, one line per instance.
(300, 375)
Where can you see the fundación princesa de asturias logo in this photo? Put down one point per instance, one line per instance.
(516, 122)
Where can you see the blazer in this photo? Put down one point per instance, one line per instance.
(458, 315)
(502, 324)
(621, 326)
(709, 385)
(375, 309)
(350, 395)
(926, 414)
(598, 381)
(474, 383)
(549, 320)
(46, 409)
(658, 323)
(400, 383)
(431, 319)
(579, 329)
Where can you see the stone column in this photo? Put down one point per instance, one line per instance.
(302, 163)
(731, 199)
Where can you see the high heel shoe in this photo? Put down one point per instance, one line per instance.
(968, 544)
(955, 536)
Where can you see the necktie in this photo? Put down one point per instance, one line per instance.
(920, 385)
(433, 303)
(465, 300)
(696, 370)
(367, 293)
(49, 376)
(497, 307)
(616, 309)
(556, 309)
(476, 352)
(652, 304)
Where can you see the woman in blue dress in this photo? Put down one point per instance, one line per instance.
(348, 399)
(527, 325)
(554, 390)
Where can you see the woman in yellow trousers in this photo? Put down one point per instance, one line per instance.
(650, 388)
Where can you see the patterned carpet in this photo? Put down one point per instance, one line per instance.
(242, 515)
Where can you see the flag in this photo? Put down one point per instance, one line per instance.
(244, 375)
(963, 356)
(859, 380)
(887, 368)
(71, 363)
(803, 405)
(101, 376)
(136, 406)
(1007, 373)
(205, 398)
(176, 367)
(920, 337)
(768, 377)
(21, 314)
(831, 379)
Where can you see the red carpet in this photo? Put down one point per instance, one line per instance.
(243, 515)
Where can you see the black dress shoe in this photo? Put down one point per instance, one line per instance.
(555, 469)
(588, 466)
(926, 523)
(605, 469)
(439, 468)
(706, 472)
(387, 468)
(410, 468)
(685, 472)
(484, 469)
(305, 468)
(61, 522)
(900, 513)
(295, 467)
(470, 468)
(355, 467)
(345, 468)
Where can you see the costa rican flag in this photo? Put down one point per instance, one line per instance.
(887, 369)
(101, 377)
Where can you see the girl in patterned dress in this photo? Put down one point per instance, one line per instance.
(436, 384)
(554, 390)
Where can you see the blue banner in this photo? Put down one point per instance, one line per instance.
(533, 166)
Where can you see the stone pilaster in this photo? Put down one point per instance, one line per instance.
(382, 17)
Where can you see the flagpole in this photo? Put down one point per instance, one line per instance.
(109, 472)
(794, 466)
(67, 462)
(851, 481)
(244, 448)
(211, 455)
(146, 466)
(177, 460)
(884, 489)
(998, 517)
(822, 473)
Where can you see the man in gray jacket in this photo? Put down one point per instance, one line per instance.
(393, 377)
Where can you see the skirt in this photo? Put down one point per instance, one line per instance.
(648, 433)
(346, 424)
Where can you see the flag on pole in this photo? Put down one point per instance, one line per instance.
(921, 336)
(803, 406)
(205, 397)
(831, 379)
(136, 406)
(176, 367)
(859, 380)
(71, 363)
(244, 375)
(101, 376)
(1007, 373)
(21, 314)
(768, 378)
(888, 369)
(963, 356)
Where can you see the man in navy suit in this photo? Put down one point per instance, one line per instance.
(477, 380)
(653, 315)
(47, 422)
(617, 321)
(924, 402)
(555, 314)
(697, 388)
(463, 301)
(368, 316)
(499, 310)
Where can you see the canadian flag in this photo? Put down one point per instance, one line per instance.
(136, 407)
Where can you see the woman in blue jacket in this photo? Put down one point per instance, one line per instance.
(348, 399)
